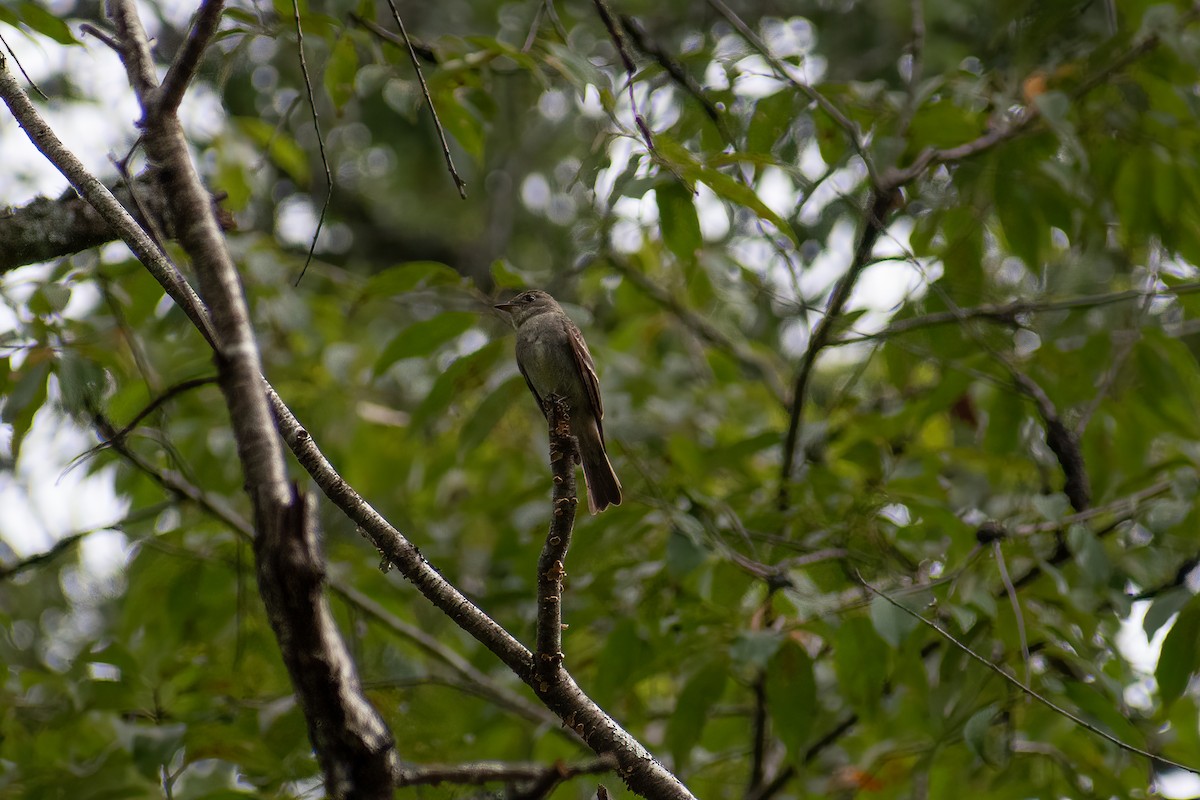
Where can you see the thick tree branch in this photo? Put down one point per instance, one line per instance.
(187, 61)
(352, 742)
(238, 365)
(46, 228)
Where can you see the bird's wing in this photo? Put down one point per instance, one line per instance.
(532, 390)
(587, 370)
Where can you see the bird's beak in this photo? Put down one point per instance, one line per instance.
(505, 307)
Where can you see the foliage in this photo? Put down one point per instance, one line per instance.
(710, 604)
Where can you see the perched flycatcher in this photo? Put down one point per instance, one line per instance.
(554, 359)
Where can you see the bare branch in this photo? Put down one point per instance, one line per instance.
(134, 48)
(238, 364)
(45, 228)
(481, 772)
(638, 768)
(564, 453)
(1023, 120)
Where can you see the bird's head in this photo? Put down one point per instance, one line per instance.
(527, 305)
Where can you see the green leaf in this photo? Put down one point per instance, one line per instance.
(860, 660)
(409, 276)
(340, 72)
(1133, 194)
(1102, 709)
(1094, 563)
(462, 376)
(773, 117)
(984, 739)
(423, 338)
(461, 122)
(684, 163)
(1165, 606)
(81, 382)
(792, 697)
(699, 695)
(1016, 208)
(1180, 656)
(892, 623)
(506, 276)
(684, 554)
(755, 648)
(27, 397)
(489, 412)
(281, 148)
(39, 19)
(50, 298)
(678, 221)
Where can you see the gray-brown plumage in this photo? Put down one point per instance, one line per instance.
(554, 359)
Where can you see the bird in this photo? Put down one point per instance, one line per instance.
(554, 360)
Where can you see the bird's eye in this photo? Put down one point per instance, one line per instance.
(527, 298)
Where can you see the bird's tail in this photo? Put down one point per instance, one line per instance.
(603, 488)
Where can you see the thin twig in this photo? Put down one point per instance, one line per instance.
(459, 183)
(17, 61)
(873, 223)
(1011, 591)
(534, 26)
(168, 394)
(1157, 760)
(70, 540)
(1125, 507)
(613, 26)
(149, 222)
(102, 35)
(316, 120)
(678, 74)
